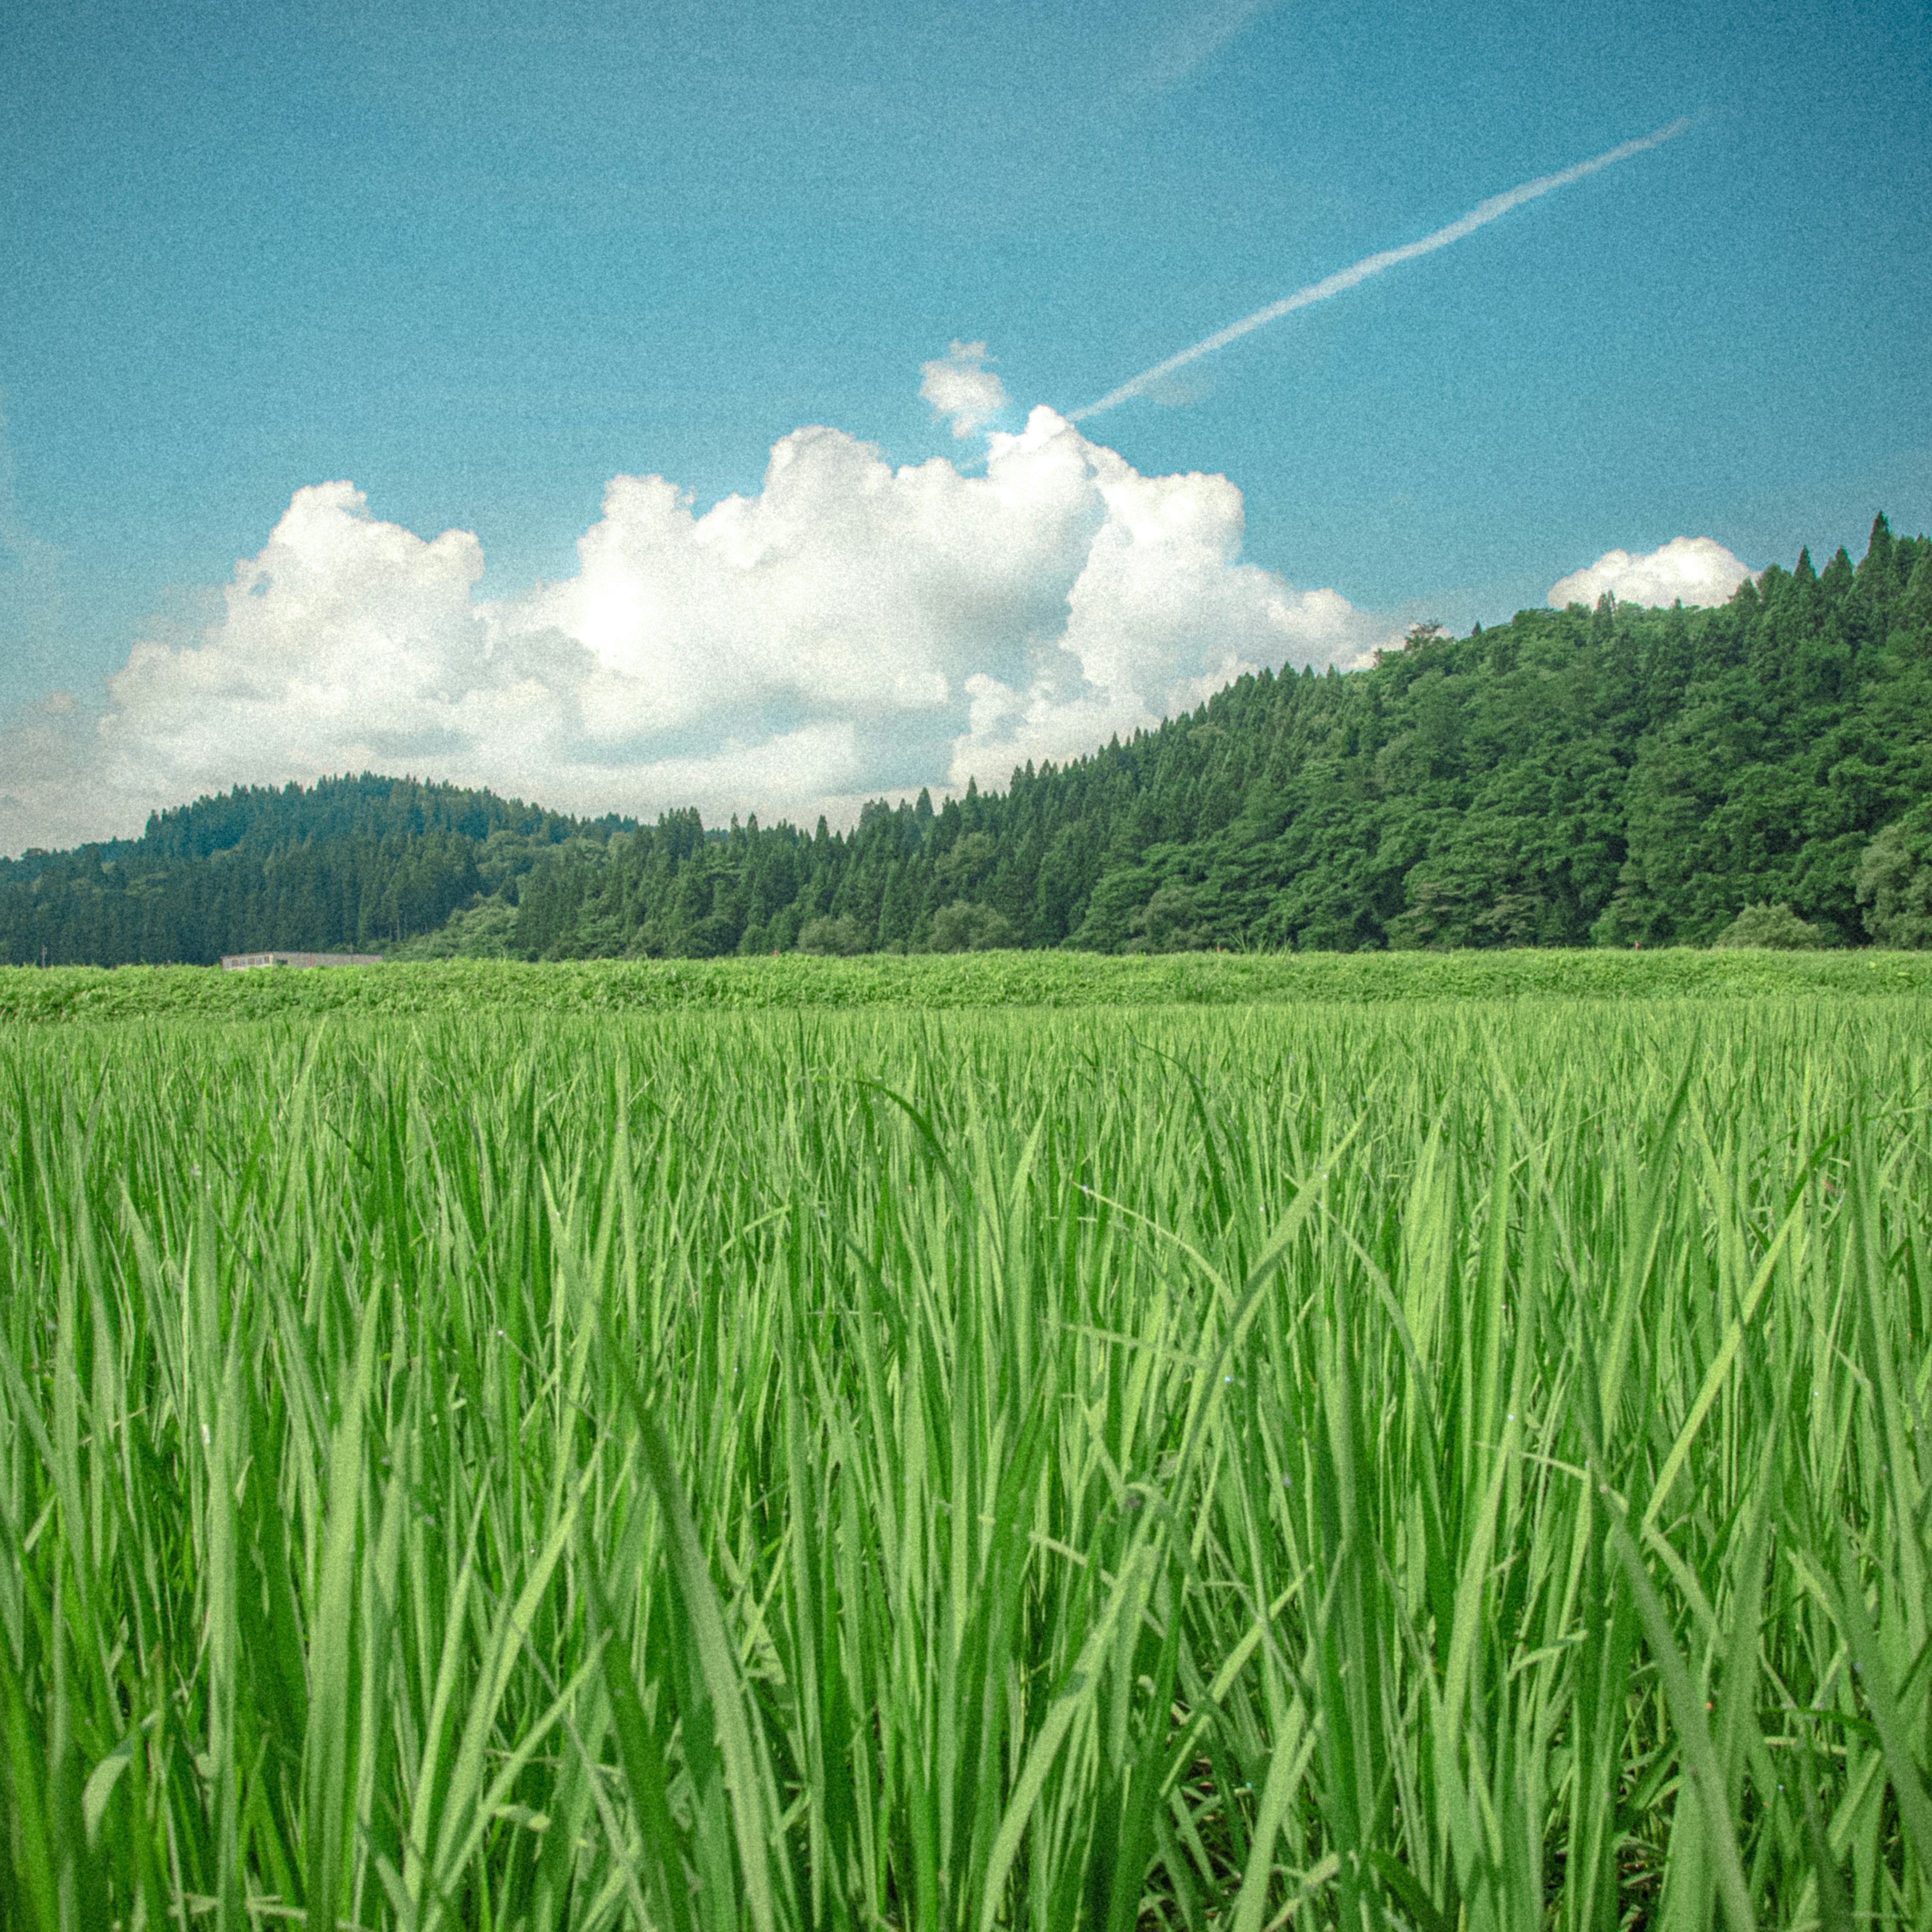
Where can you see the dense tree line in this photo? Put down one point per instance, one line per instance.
(1614, 776)
(359, 863)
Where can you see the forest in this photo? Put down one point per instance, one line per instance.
(362, 862)
(1617, 776)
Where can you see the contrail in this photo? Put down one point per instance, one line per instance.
(1478, 216)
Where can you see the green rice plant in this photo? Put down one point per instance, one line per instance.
(960, 982)
(1414, 1465)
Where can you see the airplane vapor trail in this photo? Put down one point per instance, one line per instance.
(1478, 216)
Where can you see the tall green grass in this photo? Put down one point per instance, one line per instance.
(1402, 1467)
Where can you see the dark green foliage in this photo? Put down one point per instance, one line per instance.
(839, 938)
(1619, 777)
(1895, 881)
(1776, 927)
(1170, 921)
(966, 927)
(1616, 777)
(357, 861)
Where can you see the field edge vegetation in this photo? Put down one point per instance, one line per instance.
(949, 983)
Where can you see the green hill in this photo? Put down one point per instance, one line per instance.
(1611, 776)
(1615, 776)
(361, 862)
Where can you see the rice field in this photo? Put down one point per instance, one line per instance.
(1427, 1465)
(960, 982)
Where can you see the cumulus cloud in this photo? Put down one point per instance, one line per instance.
(852, 629)
(1161, 613)
(1699, 570)
(961, 388)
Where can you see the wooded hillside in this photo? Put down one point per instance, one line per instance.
(1609, 776)
(361, 862)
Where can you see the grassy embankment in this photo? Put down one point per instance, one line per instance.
(954, 982)
(1409, 1467)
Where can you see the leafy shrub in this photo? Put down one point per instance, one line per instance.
(965, 926)
(840, 937)
(485, 929)
(1776, 927)
(1168, 923)
(1895, 882)
(716, 935)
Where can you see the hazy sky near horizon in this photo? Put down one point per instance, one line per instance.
(491, 270)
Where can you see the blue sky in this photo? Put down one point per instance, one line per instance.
(480, 260)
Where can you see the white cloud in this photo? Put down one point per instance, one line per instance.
(1161, 614)
(961, 388)
(1196, 33)
(1697, 569)
(852, 629)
